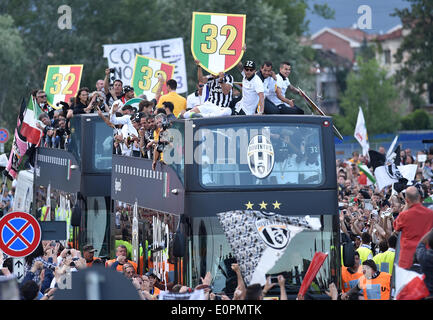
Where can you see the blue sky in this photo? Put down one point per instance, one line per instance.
(346, 14)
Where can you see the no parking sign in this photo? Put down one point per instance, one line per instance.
(20, 234)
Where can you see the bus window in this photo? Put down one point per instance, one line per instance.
(155, 237)
(266, 156)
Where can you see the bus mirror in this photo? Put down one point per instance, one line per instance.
(348, 254)
(76, 216)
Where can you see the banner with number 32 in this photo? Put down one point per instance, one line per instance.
(62, 82)
(145, 75)
(217, 40)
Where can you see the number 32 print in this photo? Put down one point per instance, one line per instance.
(217, 40)
(62, 83)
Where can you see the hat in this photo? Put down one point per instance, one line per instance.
(250, 64)
(127, 89)
(89, 248)
(136, 117)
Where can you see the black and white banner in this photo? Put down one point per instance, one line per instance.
(258, 240)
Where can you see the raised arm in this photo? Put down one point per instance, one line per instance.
(200, 76)
(107, 81)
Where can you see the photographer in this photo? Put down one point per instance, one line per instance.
(61, 134)
(47, 129)
(159, 142)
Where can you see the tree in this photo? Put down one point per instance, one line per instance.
(417, 120)
(13, 63)
(369, 88)
(416, 50)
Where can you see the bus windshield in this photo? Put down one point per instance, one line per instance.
(210, 250)
(265, 155)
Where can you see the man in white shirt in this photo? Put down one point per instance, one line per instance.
(198, 97)
(252, 92)
(276, 102)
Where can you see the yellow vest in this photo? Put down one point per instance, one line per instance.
(364, 253)
(385, 261)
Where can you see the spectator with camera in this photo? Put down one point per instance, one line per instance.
(159, 142)
(114, 93)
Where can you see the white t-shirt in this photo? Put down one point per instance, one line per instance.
(193, 101)
(250, 94)
(283, 84)
(268, 85)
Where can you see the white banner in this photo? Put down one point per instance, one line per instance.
(121, 57)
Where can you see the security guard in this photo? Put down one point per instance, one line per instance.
(376, 284)
(350, 275)
(364, 249)
(385, 260)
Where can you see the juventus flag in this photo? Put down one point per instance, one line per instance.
(258, 240)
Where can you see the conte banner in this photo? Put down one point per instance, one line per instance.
(121, 57)
(61, 83)
(217, 40)
(145, 75)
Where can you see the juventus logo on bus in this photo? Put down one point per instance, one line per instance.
(260, 156)
(275, 234)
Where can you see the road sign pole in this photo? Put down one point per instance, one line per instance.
(2, 148)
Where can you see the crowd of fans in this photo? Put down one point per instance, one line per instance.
(138, 127)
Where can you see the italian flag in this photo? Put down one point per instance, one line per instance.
(62, 83)
(28, 127)
(216, 62)
(364, 169)
(145, 70)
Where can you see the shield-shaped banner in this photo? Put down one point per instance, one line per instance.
(217, 40)
(145, 75)
(62, 83)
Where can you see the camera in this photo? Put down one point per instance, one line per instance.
(112, 70)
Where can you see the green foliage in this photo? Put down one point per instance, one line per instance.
(416, 50)
(13, 62)
(417, 120)
(375, 93)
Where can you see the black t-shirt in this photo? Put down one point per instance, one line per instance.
(79, 108)
(110, 97)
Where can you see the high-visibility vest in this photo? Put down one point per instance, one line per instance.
(378, 288)
(385, 261)
(89, 264)
(349, 280)
(120, 266)
(365, 253)
(44, 213)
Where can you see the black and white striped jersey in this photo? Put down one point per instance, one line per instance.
(216, 95)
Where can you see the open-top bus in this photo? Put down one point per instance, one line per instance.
(259, 190)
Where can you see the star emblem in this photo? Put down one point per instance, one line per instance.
(276, 205)
(249, 205)
(263, 205)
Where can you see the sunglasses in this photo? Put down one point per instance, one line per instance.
(44, 96)
(249, 69)
(201, 85)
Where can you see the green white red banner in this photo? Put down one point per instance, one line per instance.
(217, 40)
(62, 82)
(145, 75)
